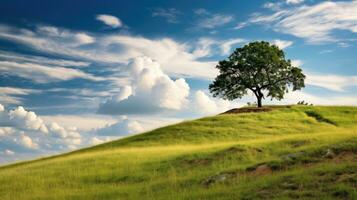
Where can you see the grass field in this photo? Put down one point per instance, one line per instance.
(298, 152)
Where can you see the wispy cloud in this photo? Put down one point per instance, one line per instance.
(294, 1)
(13, 95)
(175, 57)
(43, 74)
(210, 20)
(169, 14)
(331, 82)
(314, 23)
(282, 44)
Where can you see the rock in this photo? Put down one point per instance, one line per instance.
(329, 154)
(292, 156)
(222, 177)
(290, 186)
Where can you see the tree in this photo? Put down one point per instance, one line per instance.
(259, 67)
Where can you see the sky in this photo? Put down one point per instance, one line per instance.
(79, 73)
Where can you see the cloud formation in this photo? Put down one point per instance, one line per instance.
(282, 44)
(22, 130)
(294, 1)
(169, 14)
(332, 82)
(123, 127)
(203, 104)
(150, 91)
(43, 74)
(176, 58)
(110, 20)
(210, 20)
(314, 23)
(12, 95)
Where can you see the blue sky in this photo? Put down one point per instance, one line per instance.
(78, 73)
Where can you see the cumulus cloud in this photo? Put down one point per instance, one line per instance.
(27, 142)
(121, 128)
(26, 120)
(110, 20)
(203, 104)
(314, 23)
(150, 91)
(22, 130)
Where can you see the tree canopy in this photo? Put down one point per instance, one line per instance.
(259, 67)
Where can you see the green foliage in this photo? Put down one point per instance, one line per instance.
(281, 154)
(258, 67)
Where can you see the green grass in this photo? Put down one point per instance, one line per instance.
(301, 152)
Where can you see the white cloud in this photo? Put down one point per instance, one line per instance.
(151, 90)
(110, 20)
(9, 56)
(226, 45)
(21, 128)
(83, 38)
(6, 131)
(294, 1)
(176, 58)
(43, 74)
(331, 82)
(96, 141)
(203, 47)
(27, 120)
(12, 95)
(314, 23)
(122, 128)
(169, 14)
(214, 21)
(240, 25)
(27, 142)
(296, 63)
(207, 47)
(84, 123)
(204, 104)
(8, 152)
(294, 97)
(201, 11)
(282, 44)
(272, 6)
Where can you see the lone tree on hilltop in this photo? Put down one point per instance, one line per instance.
(258, 67)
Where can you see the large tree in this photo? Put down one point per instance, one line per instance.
(259, 67)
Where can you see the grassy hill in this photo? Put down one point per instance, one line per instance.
(299, 152)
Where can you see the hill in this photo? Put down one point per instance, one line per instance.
(297, 152)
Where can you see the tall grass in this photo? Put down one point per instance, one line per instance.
(173, 162)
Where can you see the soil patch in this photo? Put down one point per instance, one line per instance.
(253, 109)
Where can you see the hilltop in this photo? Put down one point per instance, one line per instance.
(293, 152)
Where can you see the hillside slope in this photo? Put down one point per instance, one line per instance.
(299, 152)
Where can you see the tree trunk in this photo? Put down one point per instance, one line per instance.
(259, 100)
